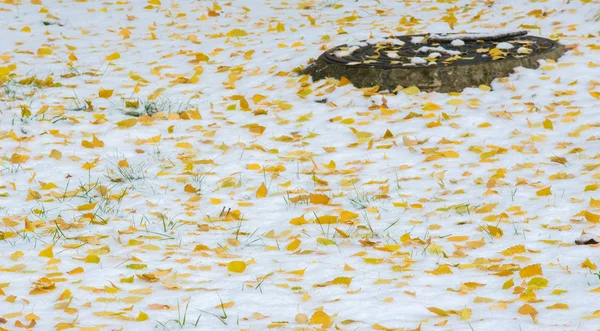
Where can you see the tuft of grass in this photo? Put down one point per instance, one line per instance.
(182, 318)
(140, 107)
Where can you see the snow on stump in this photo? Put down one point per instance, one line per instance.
(434, 62)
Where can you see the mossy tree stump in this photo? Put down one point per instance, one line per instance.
(443, 63)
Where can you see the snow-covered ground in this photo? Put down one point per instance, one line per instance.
(258, 207)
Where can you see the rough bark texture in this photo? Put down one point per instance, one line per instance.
(450, 78)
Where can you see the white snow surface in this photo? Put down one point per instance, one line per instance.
(457, 42)
(418, 60)
(439, 49)
(505, 45)
(365, 211)
(454, 36)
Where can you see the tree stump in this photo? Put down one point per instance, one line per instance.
(432, 62)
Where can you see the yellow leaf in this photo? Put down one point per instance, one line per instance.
(327, 219)
(558, 306)
(438, 311)
(141, 317)
(320, 317)
(494, 231)
(430, 106)
(55, 154)
(594, 203)
(236, 266)
(591, 217)
(92, 258)
(544, 192)
(548, 124)
(527, 309)
(87, 206)
(298, 220)
(508, 284)
(292, 246)
(325, 241)
(456, 102)
(518, 249)
(113, 56)
(190, 189)
(344, 81)
(440, 270)
(319, 199)
(105, 93)
(262, 191)
(342, 281)
(485, 208)
(411, 90)
(588, 264)
(531, 270)
(44, 51)
(65, 295)
(236, 33)
(128, 123)
(592, 93)
(47, 252)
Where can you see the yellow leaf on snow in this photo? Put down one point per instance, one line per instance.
(588, 264)
(105, 93)
(319, 199)
(320, 317)
(292, 246)
(262, 191)
(595, 94)
(87, 206)
(113, 56)
(128, 123)
(527, 309)
(236, 266)
(544, 192)
(47, 252)
(558, 306)
(55, 154)
(591, 217)
(430, 106)
(325, 241)
(236, 33)
(485, 208)
(441, 270)
(531, 270)
(438, 311)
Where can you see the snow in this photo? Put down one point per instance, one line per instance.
(392, 55)
(457, 43)
(504, 45)
(470, 36)
(440, 49)
(524, 50)
(417, 40)
(465, 202)
(346, 52)
(418, 60)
